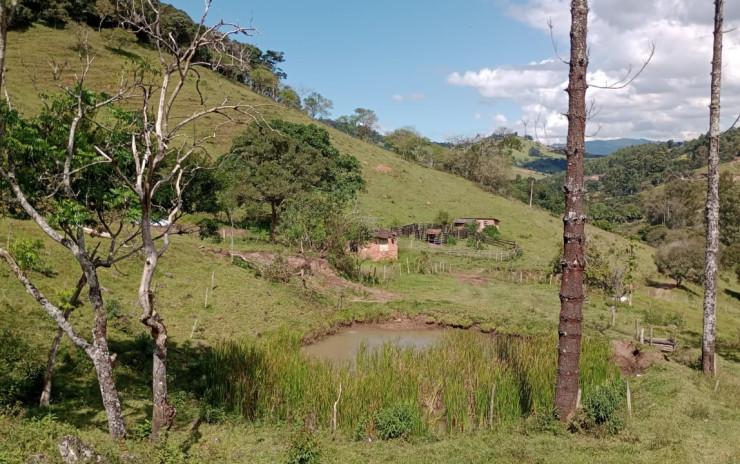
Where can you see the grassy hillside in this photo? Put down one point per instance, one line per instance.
(680, 416)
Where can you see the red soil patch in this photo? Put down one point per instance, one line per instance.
(476, 278)
(633, 358)
(383, 169)
(308, 267)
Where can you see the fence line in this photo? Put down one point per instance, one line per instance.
(419, 231)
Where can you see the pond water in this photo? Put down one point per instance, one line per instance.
(343, 344)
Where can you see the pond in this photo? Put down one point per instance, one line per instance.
(343, 344)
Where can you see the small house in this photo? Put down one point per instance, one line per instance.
(460, 223)
(434, 236)
(383, 245)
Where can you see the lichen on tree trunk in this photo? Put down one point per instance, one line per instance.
(574, 219)
(712, 208)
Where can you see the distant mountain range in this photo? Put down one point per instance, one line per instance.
(607, 147)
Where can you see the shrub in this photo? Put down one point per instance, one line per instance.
(276, 271)
(209, 230)
(492, 232)
(395, 421)
(20, 373)
(142, 430)
(27, 254)
(304, 449)
(443, 217)
(601, 407)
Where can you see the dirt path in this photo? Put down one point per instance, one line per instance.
(314, 267)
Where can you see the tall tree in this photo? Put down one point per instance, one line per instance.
(266, 166)
(366, 121)
(574, 220)
(317, 106)
(710, 269)
(28, 150)
(161, 159)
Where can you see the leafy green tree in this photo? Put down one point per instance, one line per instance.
(443, 217)
(681, 260)
(366, 120)
(406, 142)
(269, 167)
(288, 97)
(317, 106)
(264, 81)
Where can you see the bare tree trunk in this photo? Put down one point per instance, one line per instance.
(97, 351)
(101, 357)
(710, 269)
(50, 364)
(162, 412)
(574, 219)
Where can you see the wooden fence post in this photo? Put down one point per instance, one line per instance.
(614, 311)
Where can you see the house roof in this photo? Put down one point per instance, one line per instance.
(467, 220)
(434, 231)
(382, 233)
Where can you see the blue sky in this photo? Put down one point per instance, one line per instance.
(468, 67)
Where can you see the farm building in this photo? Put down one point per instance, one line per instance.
(460, 223)
(382, 246)
(434, 236)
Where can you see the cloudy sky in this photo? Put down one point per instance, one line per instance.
(469, 67)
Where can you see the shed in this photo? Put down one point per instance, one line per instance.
(434, 236)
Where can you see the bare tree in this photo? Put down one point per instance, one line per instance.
(161, 150)
(712, 210)
(574, 220)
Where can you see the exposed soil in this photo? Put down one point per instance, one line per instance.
(477, 278)
(308, 267)
(633, 358)
(383, 169)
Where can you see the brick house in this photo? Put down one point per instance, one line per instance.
(382, 246)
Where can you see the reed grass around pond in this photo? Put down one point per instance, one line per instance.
(448, 386)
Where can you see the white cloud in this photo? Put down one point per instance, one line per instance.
(669, 100)
(409, 97)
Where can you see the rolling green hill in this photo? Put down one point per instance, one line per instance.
(679, 416)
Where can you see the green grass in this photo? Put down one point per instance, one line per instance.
(450, 382)
(678, 415)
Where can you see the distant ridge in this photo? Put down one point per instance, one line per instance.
(607, 147)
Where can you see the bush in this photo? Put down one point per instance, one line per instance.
(20, 373)
(276, 271)
(395, 421)
(601, 409)
(304, 449)
(602, 403)
(603, 224)
(492, 232)
(27, 254)
(209, 230)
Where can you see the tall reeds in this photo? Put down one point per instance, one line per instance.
(449, 383)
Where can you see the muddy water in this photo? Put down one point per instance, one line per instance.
(343, 345)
